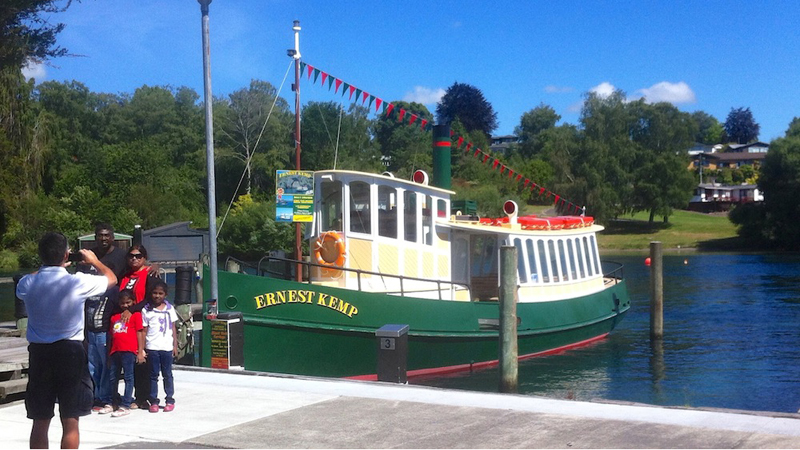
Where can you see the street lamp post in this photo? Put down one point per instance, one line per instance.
(212, 198)
(295, 54)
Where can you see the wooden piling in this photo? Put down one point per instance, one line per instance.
(656, 291)
(509, 351)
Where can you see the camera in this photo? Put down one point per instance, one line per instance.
(75, 257)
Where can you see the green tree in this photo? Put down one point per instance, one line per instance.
(779, 179)
(405, 148)
(741, 127)
(467, 103)
(709, 130)
(532, 126)
(250, 231)
(254, 132)
(335, 138)
(26, 33)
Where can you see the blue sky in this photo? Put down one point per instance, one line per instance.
(699, 55)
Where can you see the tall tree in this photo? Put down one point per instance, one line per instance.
(255, 128)
(26, 33)
(780, 181)
(403, 147)
(532, 124)
(467, 103)
(709, 130)
(333, 137)
(741, 127)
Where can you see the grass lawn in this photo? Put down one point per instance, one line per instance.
(685, 229)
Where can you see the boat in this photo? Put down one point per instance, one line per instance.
(385, 250)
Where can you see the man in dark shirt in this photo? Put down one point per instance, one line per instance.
(98, 313)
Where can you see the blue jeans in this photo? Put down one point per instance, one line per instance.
(97, 366)
(161, 361)
(123, 361)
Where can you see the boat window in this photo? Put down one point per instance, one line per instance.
(483, 256)
(572, 266)
(532, 262)
(545, 263)
(588, 256)
(331, 207)
(359, 208)
(553, 260)
(595, 258)
(580, 258)
(387, 212)
(427, 220)
(410, 215)
(441, 208)
(521, 270)
(563, 257)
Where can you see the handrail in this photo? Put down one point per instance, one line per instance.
(358, 273)
(616, 273)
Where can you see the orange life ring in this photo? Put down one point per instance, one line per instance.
(338, 246)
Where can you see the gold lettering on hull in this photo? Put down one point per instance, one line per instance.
(302, 296)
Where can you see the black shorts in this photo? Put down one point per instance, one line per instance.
(58, 372)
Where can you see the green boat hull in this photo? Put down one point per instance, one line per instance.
(299, 328)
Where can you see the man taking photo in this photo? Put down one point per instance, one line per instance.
(58, 369)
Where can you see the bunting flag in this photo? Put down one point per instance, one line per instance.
(387, 108)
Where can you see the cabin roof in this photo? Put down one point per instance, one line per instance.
(472, 226)
(386, 179)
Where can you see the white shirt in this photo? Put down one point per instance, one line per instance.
(55, 299)
(159, 327)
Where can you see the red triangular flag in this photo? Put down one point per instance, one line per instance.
(401, 115)
(519, 177)
(389, 109)
(365, 95)
(527, 181)
(324, 76)
(461, 142)
(310, 69)
(413, 119)
(485, 158)
(378, 104)
(541, 191)
(556, 198)
(352, 89)
(423, 123)
(338, 84)
(495, 163)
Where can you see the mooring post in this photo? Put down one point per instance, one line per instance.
(508, 319)
(656, 291)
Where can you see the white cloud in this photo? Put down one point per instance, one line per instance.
(426, 96)
(665, 91)
(603, 89)
(34, 70)
(553, 89)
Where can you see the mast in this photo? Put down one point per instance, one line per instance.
(295, 53)
(212, 197)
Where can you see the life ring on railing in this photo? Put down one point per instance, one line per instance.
(329, 250)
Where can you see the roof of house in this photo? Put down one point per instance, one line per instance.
(735, 156)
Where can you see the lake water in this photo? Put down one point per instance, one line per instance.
(731, 340)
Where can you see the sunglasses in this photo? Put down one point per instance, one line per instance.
(135, 255)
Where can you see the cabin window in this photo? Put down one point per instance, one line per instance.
(483, 256)
(571, 252)
(532, 261)
(588, 254)
(563, 257)
(441, 208)
(459, 265)
(331, 208)
(410, 216)
(360, 208)
(521, 270)
(595, 257)
(553, 260)
(545, 267)
(387, 212)
(580, 258)
(427, 220)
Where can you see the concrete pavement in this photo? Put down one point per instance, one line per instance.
(249, 410)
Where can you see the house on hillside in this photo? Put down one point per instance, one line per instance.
(503, 143)
(738, 155)
(715, 197)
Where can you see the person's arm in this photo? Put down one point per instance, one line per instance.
(141, 354)
(174, 341)
(90, 258)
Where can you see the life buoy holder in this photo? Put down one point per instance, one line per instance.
(338, 246)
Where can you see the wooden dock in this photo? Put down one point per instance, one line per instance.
(13, 361)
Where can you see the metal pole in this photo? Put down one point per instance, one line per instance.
(212, 197)
(656, 291)
(298, 239)
(509, 351)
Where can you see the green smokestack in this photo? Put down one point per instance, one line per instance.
(441, 156)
